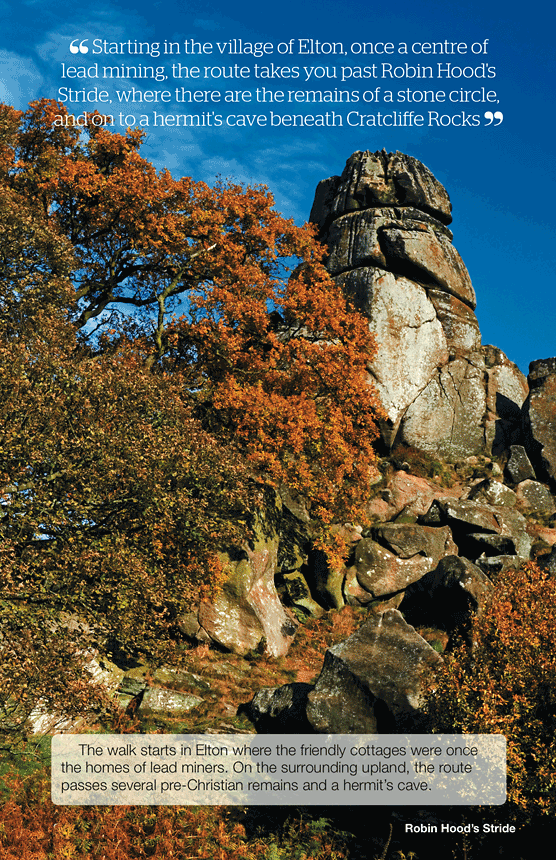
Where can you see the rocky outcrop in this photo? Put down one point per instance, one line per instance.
(432, 552)
(384, 222)
(424, 581)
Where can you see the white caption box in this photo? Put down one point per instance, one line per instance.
(283, 770)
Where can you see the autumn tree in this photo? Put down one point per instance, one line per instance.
(114, 502)
(274, 360)
(168, 351)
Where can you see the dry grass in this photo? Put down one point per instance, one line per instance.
(234, 680)
(32, 828)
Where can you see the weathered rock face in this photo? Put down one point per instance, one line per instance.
(377, 180)
(384, 222)
(540, 417)
(247, 613)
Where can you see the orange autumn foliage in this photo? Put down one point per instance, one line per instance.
(506, 684)
(32, 828)
(168, 353)
(221, 289)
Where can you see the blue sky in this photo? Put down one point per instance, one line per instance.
(501, 178)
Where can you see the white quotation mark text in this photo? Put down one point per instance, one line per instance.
(79, 49)
(498, 116)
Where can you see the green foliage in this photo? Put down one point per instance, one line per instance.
(30, 759)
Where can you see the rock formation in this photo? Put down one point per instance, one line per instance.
(430, 558)
(384, 221)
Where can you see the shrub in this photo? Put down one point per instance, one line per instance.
(506, 684)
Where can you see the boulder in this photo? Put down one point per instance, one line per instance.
(548, 562)
(462, 515)
(518, 467)
(174, 679)
(131, 686)
(481, 544)
(373, 682)
(545, 535)
(493, 565)
(407, 540)
(467, 518)
(514, 524)
(493, 492)
(449, 597)
(157, 702)
(395, 556)
(411, 496)
(279, 709)
(533, 497)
